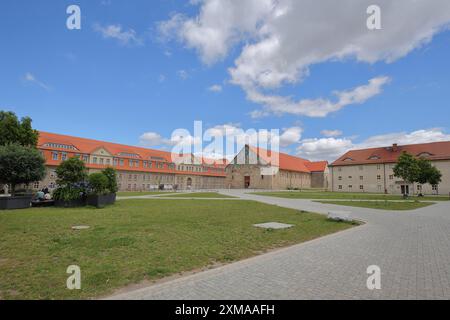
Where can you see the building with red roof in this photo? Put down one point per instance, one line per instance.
(139, 169)
(258, 168)
(371, 170)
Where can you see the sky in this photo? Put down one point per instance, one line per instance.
(136, 71)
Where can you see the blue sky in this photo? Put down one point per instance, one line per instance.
(91, 84)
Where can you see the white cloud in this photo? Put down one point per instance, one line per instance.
(284, 38)
(290, 136)
(318, 107)
(332, 148)
(183, 74)
(219, 26)
(215, 88)
(331, 133)
(31, 78)
(125, 37)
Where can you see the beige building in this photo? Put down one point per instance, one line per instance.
(371, 170)
(256, 168)
(138, 169)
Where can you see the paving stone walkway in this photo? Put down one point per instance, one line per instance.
(412, 248)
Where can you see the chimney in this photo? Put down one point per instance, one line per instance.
(395, 147)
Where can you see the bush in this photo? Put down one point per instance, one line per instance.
(68, 193)
(19, 164)
(98, 183)
(111, 175)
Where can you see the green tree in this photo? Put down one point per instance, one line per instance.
(71, 171)
(111, 175)
(20, 164)
(428, 173)
(98, 182)
(13, 131)
(407, 168)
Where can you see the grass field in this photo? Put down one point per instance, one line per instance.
(134, 194)
(341, 195)
(137, 240)
(199, 195)
(382, 205)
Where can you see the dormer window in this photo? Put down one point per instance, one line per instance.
(59, 146)
(374, 157)
(424, 155)
(128, 155)
(348, 159)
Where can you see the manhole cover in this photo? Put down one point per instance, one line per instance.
(80, 227)
(273, 225)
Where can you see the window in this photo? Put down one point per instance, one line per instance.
(121, 162)
(94, 160)
(350, 177)
(108, 161)
(391, 177)
(378, 177)
(116, 162)
(85, 158)
(419, 187)
(144, 164)
(36, 185)
(350, 186)
(262, 177)
(340, 178)
(435, 187)
(55, 156)
(361, 168)
(361, 177)
(361, 187)
(379, 166)
(379, 188)
(102, 160)
(339, 169)
(135, 177)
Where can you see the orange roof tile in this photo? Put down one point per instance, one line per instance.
(287, 162)
(432, 151)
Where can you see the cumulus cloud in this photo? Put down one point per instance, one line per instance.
(125, 37)
(331, 133)
(332, 148)
(290, 136)
(284, 38)
(215, 88)
(317, 107)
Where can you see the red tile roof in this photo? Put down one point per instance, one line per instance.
(87, 146)
(432, 151)
(287, 162)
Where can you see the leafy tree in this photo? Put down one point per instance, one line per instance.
(407, 168)
(111, 175)
(13, 131)
(20, 164)
(428, 173)
(412, 170)
(71, 171)
(98, 183)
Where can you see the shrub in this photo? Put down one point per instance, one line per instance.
(19, 164)
(98, 183)
(111, 175)
(68, 193)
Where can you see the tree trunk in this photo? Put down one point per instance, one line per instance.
(13, 189)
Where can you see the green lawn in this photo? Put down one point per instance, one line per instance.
(382, 205)
(343, 195)
(149, 193)
(199, 195)
(137, 240)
